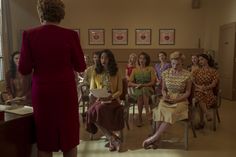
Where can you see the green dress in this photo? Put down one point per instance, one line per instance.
(141, 76)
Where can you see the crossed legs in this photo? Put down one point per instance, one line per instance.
(160, 127)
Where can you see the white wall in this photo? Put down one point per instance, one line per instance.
(218, 12)
(190, 24)
(130, 14)
(23, 16)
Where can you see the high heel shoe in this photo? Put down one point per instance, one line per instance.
(147, 144)
(200, 125)
(116, 143)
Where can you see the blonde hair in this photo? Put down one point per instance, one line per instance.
(51, 10)
(177, 55)
(134, 55)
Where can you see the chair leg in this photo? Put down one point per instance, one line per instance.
(91, 136)
(186, 136)
(218, 116)
(83, 107)
(193, 130)
(122, 135)
(133, 111)
(214, 119)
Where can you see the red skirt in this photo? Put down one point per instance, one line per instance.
(109, 115)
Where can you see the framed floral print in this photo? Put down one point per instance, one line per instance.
(143, 36)
(166, 36)
(119, 36)
(96, 36)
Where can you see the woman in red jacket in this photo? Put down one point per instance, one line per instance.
(53, 53)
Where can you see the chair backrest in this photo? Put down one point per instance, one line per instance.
(124, 88)
(217, 93)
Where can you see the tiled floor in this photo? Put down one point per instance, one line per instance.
(208, 143)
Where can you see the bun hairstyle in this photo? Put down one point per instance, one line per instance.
(177, 55)
(209, 59)
(51, 10)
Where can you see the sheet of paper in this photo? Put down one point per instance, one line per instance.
(21, 110)
(100, 93)
(4, 107)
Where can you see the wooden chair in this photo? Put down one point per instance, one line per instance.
(216, 106)
(131, 102)
(188, 122)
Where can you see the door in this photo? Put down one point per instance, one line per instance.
(227, 60)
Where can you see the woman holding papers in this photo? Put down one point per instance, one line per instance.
(106, 113)
(176, 88)
(53, 53)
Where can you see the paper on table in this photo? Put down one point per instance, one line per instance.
(4, 107)
(100, 93)
(21, 110)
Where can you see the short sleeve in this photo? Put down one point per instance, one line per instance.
(131, 78)
(153, 74)
(77, 54)
(92, 81)
(26, 61)
(164, 74)
(215, 75)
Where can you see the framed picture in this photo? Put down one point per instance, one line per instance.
(78, 31)
(166, 36)
(143, 36)
(119, 36)
(96, 36)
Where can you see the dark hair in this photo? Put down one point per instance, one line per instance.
(147, 57)
(162, 52)
(51, 10)
(97, 53)
(112, 66)
(13, 67)
(209, 59)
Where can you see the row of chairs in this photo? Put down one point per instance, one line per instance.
(131, 102)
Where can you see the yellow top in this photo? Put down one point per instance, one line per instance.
(104, 80)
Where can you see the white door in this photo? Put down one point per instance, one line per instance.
(227, 60)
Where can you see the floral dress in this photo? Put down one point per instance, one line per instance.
(205, 76)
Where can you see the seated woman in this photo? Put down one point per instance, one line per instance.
(143, 78)
(194, 66)
(205, 79)
(18, 87)
(160, 67)
(132, 63)
(90, 69)
(173, 106)
(106, 113)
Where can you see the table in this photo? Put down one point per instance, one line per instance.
(17, 135)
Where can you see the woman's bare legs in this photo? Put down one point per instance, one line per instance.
(163, 126)
(71, 153)
(114, 141)
(44, 154)
(147, 106)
